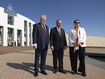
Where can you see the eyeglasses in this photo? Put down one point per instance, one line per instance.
(77, 22)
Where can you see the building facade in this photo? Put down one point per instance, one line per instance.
(15, 29)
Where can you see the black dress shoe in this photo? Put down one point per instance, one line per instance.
(62, 71)
(44, 72)
(79, 70)
(55, 71)
(36, 74)
(83, 74)
(73, 72)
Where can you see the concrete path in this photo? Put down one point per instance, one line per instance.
(19, 65)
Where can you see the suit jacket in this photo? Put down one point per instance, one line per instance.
(40, 37)
(57, 40)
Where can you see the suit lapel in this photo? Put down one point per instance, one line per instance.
(40, 28)
(61, 32)
(58, 32)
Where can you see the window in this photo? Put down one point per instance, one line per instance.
(25, 23)
(25, 31)
(30, 33)
(29, 29)
(10, 20)
(25, 26)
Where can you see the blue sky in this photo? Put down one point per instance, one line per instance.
(90, 12)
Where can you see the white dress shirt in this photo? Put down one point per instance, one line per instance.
(81, 37)
(59, 30)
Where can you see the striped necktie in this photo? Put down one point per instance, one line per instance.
(44, 28)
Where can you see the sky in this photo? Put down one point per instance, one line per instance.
(91, 13)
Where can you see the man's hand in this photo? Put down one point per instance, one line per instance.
(35, 46)
(65, 48)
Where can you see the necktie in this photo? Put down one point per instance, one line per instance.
(44, 28)
(59, 30)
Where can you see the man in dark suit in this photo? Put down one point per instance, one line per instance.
(40, 44)
(58, 44)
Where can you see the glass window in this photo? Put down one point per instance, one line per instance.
(10, 20)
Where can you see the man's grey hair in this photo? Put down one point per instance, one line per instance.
(43, 16)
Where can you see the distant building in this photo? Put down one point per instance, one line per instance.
(15, 29)
(92, 41)
(95, 41)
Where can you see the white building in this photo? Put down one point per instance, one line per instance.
(15, 28)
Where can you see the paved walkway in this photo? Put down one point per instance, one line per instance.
(9, 49)
(19, 65)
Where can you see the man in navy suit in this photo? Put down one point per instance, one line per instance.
(58, 44)
(40, 44)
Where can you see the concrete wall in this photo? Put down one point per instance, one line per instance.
(92, 41)
(95, 41)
